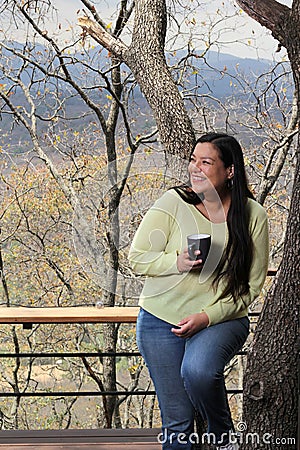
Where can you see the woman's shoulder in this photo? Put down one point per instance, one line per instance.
(256, 209)
(168, 200)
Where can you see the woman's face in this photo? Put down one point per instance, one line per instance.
(207, 171)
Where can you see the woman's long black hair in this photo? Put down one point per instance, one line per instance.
(234, 266)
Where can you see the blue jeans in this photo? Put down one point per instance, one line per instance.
(188, 376)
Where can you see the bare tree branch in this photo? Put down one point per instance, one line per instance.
(103, 37)
(272, 170)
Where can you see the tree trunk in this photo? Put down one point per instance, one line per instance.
(270, 382)
(145, 57)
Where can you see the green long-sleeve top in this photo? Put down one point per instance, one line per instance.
(171, 295)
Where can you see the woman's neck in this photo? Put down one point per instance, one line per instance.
(215, 207)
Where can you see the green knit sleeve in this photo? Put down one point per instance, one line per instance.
(226, 308)
(152, 253)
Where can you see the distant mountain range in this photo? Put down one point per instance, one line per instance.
(226, 75)
(213, 67)
(216, 74)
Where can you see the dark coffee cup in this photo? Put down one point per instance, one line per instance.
(198, 242)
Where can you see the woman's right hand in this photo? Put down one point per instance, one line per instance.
(185, 264)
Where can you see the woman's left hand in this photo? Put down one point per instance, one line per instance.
(191, 325)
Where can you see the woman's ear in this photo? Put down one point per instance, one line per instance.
(230, 172)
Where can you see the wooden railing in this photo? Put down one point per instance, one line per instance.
(68, 314)
(27, 316)
(73, 314)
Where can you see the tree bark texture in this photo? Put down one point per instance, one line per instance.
(271, 390)
(270, 382)
(145, 57)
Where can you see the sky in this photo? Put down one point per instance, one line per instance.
(257, 41)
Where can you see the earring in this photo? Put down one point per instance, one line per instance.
(230, 183)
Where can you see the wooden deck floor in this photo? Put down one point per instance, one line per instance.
(145, 439)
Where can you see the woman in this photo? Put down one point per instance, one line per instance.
(193, 316)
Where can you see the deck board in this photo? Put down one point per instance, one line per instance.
(92, 446)
(101, 439)
(68, 314)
